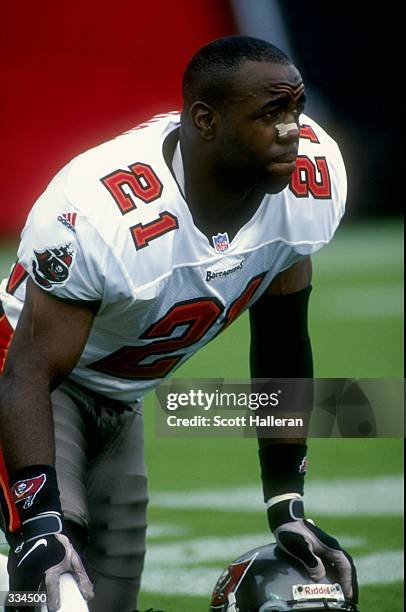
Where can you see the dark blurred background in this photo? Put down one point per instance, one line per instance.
(77, 73)
(353, 54)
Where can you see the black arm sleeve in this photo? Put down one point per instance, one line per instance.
(281, 348)
(280, 342)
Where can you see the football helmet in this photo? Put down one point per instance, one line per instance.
(266, 579)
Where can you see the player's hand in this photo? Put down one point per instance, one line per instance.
(40, 563)
(303, 540)
(40, 553)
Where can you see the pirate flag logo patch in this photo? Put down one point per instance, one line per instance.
(26, 490)
(51, 267)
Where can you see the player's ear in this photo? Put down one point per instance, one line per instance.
(203, 118)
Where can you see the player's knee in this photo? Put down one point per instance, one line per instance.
(117, 548)
(119, 554)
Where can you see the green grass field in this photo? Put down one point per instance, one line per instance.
(205, 494)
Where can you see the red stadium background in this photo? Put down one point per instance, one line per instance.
(77, 73)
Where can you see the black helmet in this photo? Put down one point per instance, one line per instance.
(266, 579)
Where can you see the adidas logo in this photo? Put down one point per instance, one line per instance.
(69, 220)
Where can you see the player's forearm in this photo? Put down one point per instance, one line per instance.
(280, 340)
(26, 424)
(281, 348)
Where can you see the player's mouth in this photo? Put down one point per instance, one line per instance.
(283, 165)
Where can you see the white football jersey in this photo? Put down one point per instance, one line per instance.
(113, 226)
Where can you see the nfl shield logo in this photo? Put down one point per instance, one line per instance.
(221, 242)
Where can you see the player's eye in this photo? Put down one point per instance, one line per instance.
(271, 114)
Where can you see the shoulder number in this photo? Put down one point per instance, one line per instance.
(311, 178)
(139, 182)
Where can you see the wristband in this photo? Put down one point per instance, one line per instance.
(278, 498)
(285, 512)
(42, 525)
(283, 468)
(35, 495)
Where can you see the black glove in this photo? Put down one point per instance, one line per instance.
(303, 540)
(40, 553)
(40, 563)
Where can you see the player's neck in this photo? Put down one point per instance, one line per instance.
(213, 202)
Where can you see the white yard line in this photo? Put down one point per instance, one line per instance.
(225, 549)
(385, 567)
(164, 530)
(344, 497)
(168, 567)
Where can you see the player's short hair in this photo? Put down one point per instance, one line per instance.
(207, 77)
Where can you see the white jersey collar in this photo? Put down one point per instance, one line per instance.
(177, 167)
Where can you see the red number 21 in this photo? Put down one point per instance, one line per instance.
(139, 182)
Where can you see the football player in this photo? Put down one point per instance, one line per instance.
(111, 293)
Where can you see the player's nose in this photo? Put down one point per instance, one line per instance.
(287, 133)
